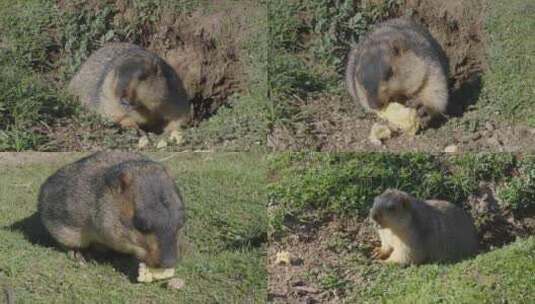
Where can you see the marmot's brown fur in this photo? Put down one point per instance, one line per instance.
(416, 232)
(399, 61)
(133, 87)
(118, 200)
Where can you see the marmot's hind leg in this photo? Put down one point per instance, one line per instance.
(69, 237)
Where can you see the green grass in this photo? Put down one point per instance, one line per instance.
(223, 257)
(509, 83)
(309, 187)
(325, 197)
(501, 276)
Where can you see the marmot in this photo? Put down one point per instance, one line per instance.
(399, 61)
(133, 87)
(416, 232)
(117, 200)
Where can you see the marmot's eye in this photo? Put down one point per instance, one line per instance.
(141, 225)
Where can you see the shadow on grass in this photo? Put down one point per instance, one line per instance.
(35, 232)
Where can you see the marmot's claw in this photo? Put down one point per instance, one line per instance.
(425, 116)
(77, 256)
(376, 253)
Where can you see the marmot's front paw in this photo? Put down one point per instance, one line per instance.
(425, 116)
(77, 256)
(379, 254)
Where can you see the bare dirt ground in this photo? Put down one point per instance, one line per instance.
(335, 123)
(25, 158)
(342, 246)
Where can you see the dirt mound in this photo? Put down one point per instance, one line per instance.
(496, 227)
(205, 57)
(458, 27)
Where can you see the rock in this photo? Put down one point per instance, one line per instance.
(489, 126)
(161, 144)
(143, 142)
(451, 149)
(476, 136)
(306, 289)
(176, 283)
(378, 133)
(176, 137)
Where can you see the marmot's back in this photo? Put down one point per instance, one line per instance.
(121, 200)
(69, 194)
(87, 83)
(447, 232)
(133, 87)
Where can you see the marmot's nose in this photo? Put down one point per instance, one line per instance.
(168, 261)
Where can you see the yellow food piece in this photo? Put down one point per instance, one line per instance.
(401, 117)
(148, 274)
(282, 258)
(379, 133)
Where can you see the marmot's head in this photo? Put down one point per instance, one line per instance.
(151, 211)
(149, 86)
(389, 71)
(392, 209)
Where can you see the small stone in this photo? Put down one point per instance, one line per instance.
(176, 137)
(143, 142)
(476, 136)
(489, 126)
(451, 149)
(306, 289)
(176, 283)
(161, 144)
